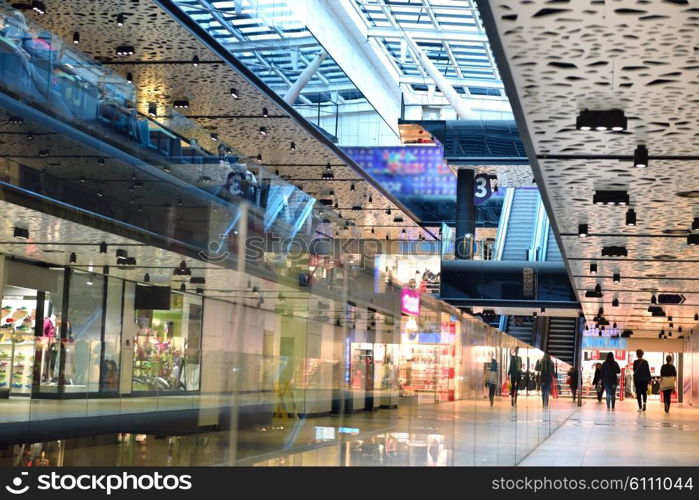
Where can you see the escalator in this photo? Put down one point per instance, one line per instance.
(560, 339)
(553, 253)
(521, 327)
(517, 224)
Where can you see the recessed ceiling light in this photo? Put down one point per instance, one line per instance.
(582, 230)
(630, 217)
(593, 268)
(616, 278)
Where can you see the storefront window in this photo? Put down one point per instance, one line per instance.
(83, 335)
(167, 354)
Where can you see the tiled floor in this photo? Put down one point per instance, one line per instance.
(594, 436)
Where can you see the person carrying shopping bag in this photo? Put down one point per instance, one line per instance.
(641, 379)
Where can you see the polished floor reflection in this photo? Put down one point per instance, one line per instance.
(416, 434)
(594, 436)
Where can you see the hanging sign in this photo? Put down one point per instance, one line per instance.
(410, 302)
(481, 189)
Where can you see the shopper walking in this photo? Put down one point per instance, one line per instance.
(597, 382)
(668, 377)
(641, 379)
(573, 381)
(548, 375)
(610, 371)
(515, 374)
(492, 381)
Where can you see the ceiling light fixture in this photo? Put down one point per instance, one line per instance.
(613, 119)
(195, 61)
(352, 188)
(39, 8)
(265, 113)
(181, 104)
(593, 268)
(214, 137)
(73, 258)
(640, 157)
(582, 230)
(693, 239)
(602, 197)
(21, 232)
(630, 217)
(90, 279)
(152, 109)
(125, 50)
(146, 278)
(76, 38)
(653, 299)
(129, 77)
(259, 158)
(616, 277)
(614, 251)
(263, 131)
(234, 93)
(120, 19)
(615, 303)
(292, 147)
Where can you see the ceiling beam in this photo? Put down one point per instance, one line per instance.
(432, 34)
(458, 82)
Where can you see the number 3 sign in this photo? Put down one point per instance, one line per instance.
(481, 189)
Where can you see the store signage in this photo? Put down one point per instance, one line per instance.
(616, 343)
(410, 302)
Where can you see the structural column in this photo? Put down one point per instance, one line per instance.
(465, 214)
(295, 91)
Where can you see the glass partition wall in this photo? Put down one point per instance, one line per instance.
(156, 297)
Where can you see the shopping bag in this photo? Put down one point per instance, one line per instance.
(554, 387)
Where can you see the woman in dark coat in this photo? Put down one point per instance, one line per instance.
(597, 382)
(610, 371)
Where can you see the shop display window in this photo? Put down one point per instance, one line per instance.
(168, 346)
(25, 356)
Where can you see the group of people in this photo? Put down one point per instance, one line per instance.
(606, 380)
(547, 377)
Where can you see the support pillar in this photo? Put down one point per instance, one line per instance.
(295, 91)
(465, 214)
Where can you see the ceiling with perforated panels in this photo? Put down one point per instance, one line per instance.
(560, 57)
(162, 72)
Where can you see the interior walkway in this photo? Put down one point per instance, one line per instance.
(594, 436)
